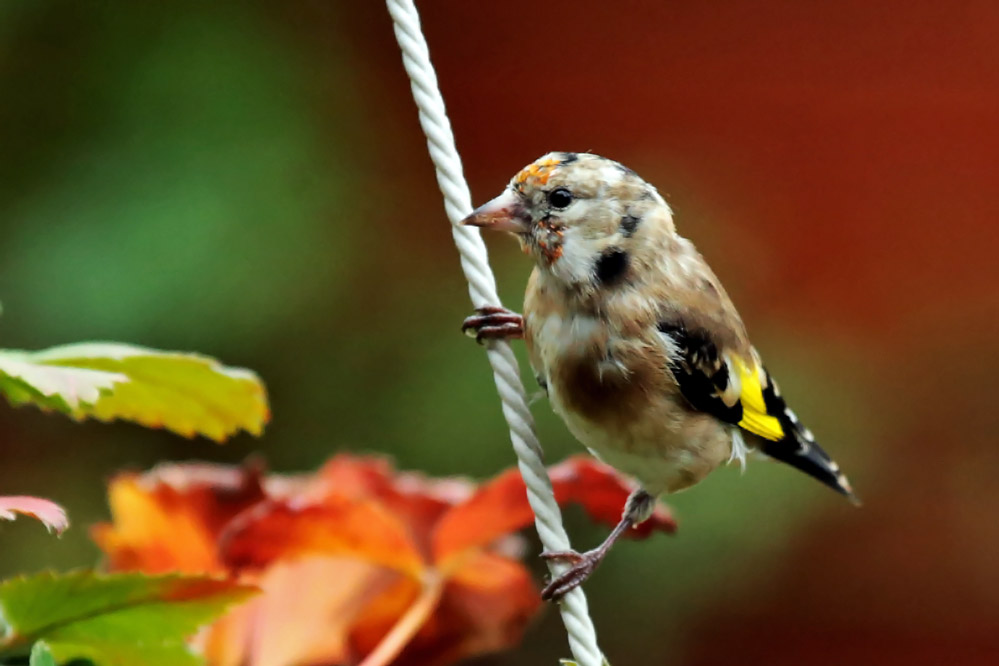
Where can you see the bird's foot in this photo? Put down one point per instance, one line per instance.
(582, 565)
(493, 323)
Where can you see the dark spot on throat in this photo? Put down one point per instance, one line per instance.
(612, 266)
(628, 225)
(568, 158)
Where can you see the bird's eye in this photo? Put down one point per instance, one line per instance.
(560, 198)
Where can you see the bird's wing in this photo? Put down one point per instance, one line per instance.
(732, 386)
(736, 388)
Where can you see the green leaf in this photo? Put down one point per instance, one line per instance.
(186, 393)
(113, 619)
(41, 655)
(23, 379)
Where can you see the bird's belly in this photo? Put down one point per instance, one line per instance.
(619, 400)
(663, 453)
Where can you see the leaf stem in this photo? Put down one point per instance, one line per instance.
(409, 624)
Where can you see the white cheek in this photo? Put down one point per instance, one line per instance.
(579, 211)
(576, 263)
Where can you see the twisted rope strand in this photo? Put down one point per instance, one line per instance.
(482, 289)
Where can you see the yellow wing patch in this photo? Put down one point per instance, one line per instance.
(754, 410)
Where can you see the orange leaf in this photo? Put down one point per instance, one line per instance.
(48, 512)
(491, 573)
(501, 506)
(485, 607)
(152, 535)
(496, 509)
(414, 499)
(169, 519)
(340, 555)
(358, 528)
(378, 619)
(303, 616)
(357, 476)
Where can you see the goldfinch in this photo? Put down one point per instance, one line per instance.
(636, 343)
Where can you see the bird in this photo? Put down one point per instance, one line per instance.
(634, 340)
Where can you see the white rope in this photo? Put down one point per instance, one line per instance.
(482, 289)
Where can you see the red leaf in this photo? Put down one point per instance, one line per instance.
(344, 555)
(416, 500)
(485, 607)
(340, 526)
(51, 514)
(496, 509)
(602, 492)
(169, 519)
(304, 615)
(501, 506)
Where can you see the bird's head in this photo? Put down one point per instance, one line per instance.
(583, 218)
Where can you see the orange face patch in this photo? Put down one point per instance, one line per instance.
(550, 241)
(537, 173)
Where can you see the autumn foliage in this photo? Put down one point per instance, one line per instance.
(359, 563)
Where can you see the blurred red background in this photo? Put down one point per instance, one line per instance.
(835, 162)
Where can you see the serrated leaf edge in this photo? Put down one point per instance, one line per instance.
(11, 640)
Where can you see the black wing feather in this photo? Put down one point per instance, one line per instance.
(798, 447)
(700, 372)
(703, 375)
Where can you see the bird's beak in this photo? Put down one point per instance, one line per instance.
(504, 213)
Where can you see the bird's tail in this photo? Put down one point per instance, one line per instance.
(799, 450)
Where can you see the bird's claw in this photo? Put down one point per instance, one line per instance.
(582, 566)
(493, 323)
(563, 556)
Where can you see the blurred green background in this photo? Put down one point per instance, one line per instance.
(249, 180)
